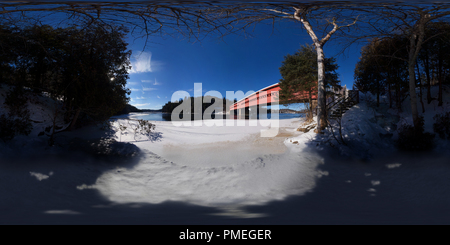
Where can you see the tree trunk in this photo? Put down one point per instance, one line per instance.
(389, 91)
(398, 100)
(440, 79)
(415, 40)
(321, 115)
(420, 87)
(300, 15)
(412, 93)
(51, 141)
(74, 120)
(427, 72)
(378, 97)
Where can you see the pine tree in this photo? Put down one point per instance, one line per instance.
(299, 72)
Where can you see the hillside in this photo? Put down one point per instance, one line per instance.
(42, 111)
(369, 131)
(37, 143)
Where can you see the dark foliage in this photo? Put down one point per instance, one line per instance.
(6, 128)
(382, 68)
(442, 125)
(383, 65)
(414, 139)
(170, 106)
(10, 127)
(127, 109)
(17, 103)
(300, 73)
(18, 119)
(84, 66)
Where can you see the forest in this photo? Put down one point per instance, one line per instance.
(84, 70)
(383, 66)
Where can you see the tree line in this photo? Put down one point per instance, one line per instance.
(383, 66)
(203, 101)
(82, 67)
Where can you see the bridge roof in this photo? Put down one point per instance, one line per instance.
(263, 89)
(253, 99)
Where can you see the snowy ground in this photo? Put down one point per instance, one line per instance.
(225, 175)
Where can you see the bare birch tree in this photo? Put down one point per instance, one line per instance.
(321, 21)
(301, 14)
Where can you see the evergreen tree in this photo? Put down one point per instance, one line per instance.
(299, 74)
(85, 67)
(383, 67)
(433, 56)
(95, 71)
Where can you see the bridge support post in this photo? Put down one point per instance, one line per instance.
(239, 113)
(232, 114)
(263, 112)
(246, 113)
(253, 112)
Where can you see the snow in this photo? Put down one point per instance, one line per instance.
(224, 174)
(210, 166)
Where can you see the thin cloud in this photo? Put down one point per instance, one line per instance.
(142, 62)
(148, 89)
(197, 91)
(145, 104)
(158, 97)
(150, 81)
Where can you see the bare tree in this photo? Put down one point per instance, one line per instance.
(326, 18)
(190, 19)
(301, 14)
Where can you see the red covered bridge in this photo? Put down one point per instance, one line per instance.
(266, 96)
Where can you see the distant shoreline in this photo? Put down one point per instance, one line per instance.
(132, 109)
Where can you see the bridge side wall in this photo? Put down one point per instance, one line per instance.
(271, 95)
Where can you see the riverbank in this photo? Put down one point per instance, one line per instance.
(162, 116)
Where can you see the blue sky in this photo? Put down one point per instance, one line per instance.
(236, 63)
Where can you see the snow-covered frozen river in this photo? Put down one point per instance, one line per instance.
(159, 116)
